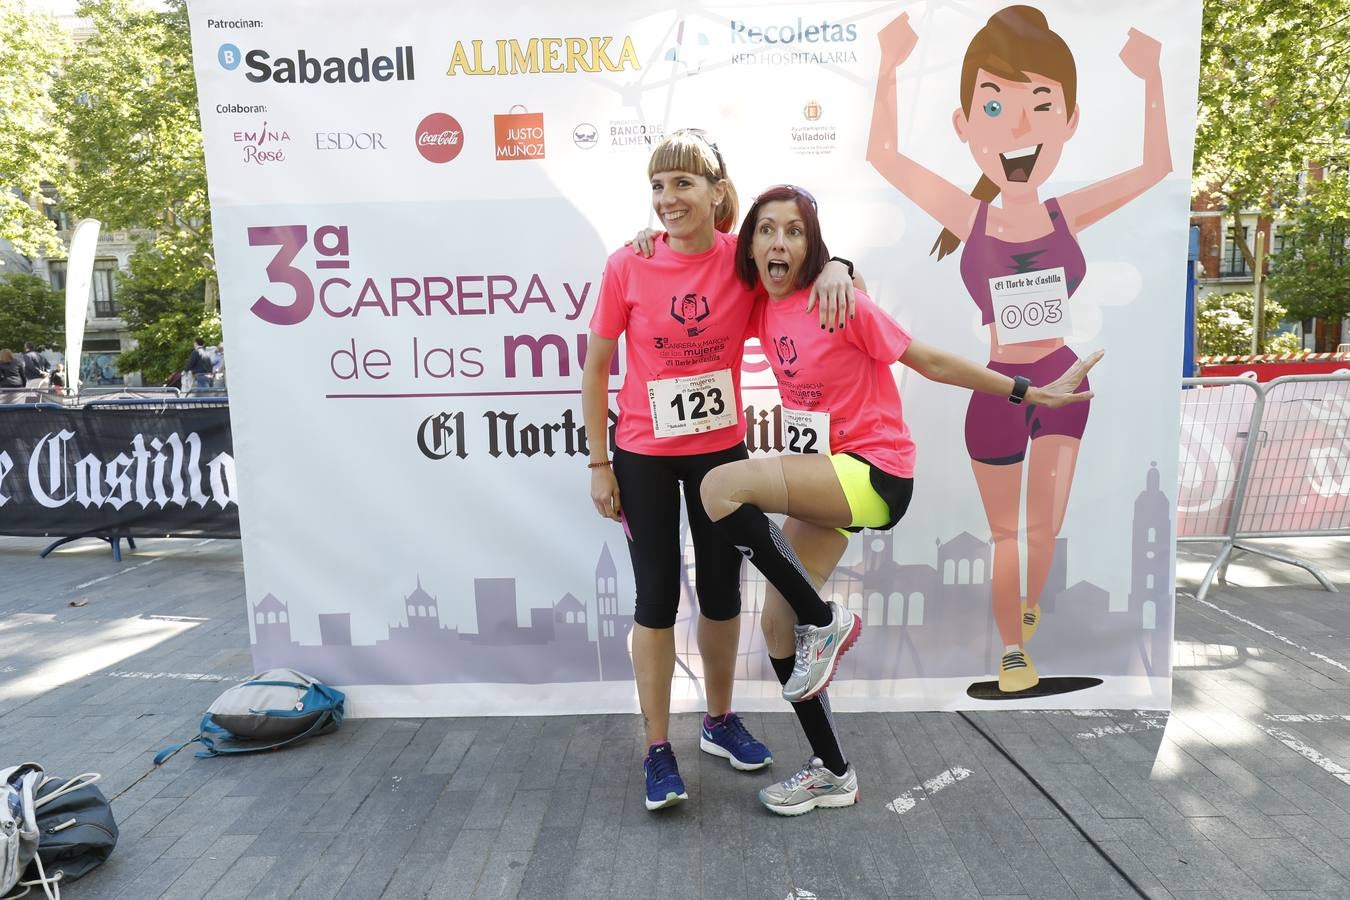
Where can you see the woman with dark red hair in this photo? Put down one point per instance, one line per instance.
(851, 465)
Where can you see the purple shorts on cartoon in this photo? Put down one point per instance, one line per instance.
(997, 431)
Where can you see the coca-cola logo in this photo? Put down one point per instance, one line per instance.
(439, 138)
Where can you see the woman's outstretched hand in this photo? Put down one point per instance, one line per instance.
(1060, 392)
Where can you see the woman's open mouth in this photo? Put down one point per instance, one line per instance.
(1017, 164)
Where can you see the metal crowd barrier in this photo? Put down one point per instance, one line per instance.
(1264, 461)
(105, 395)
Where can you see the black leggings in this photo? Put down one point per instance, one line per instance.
(649, 493)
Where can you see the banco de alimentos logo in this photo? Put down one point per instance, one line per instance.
(308, 67)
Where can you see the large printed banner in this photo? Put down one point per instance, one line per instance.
(412, 206)
(145, 472)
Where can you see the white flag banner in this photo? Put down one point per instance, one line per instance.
(79, 275)
(413, 204)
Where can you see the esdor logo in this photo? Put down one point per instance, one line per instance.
(439, 138)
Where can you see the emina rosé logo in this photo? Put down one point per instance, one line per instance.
(439, 138)
(262, 145)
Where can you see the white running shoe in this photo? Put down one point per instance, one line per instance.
(813, 785)
(819, 649)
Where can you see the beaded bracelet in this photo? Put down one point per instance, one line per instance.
(597, 465)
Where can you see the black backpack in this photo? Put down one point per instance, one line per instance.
(76, 830)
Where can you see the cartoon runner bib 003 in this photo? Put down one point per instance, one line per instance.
(806, 431)
(692, 404)
(1030, 306)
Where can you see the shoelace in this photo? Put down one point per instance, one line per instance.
(662, 765)
(737, 730)
(1015, 660)
(794, 781)
(802, 664)
(1028, 618)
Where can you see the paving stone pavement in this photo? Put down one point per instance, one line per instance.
(1243, 790)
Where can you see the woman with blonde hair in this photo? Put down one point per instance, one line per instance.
(685, 315)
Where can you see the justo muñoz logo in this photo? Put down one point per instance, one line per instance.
(439, 138)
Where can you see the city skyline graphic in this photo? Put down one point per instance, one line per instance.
(926, 619)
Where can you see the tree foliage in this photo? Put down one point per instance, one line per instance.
(1273, 89)
(134, 142)
(30, 311)
(1311, 275)
(1223, 325)
(31, 47)
(1273, 82)
(163, 308)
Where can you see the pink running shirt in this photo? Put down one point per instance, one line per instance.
(846, 373)
(684, 314)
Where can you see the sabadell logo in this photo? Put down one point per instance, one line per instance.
(439, 138)
(306, 67)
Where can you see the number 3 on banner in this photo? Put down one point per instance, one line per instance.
(291, 239)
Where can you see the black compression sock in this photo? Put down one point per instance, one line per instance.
(817, 724)
(768, 550)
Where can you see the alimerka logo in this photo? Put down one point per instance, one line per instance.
(543, 55)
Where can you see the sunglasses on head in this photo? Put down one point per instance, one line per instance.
(796, 191)
(712, 145)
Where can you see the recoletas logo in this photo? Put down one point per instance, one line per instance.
(799, 42)
(306, 67)
(439, 138)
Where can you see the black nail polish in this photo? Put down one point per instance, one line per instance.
(831, 331)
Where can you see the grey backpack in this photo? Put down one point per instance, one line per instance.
(34, 807)
(18, 825)
(270, 710)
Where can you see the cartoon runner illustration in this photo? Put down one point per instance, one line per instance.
(1021, 264)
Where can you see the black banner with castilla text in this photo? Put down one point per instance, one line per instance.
(133, 472)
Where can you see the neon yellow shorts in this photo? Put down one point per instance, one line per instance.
(867, 508)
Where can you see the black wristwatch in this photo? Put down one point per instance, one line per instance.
(1019, 389)
(847, 264)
